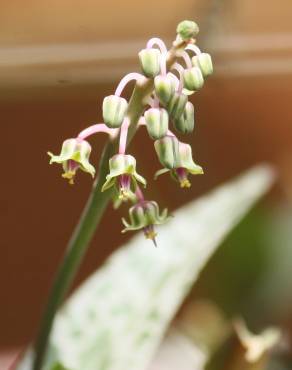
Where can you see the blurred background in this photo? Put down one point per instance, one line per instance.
(58, 60)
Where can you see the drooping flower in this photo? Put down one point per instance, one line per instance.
(182, 163)
(123, 174)
(144, 216)
(74, 155)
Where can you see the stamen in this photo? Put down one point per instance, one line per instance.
(99, 127)
(124, 185)
(150, 233)
(70, 168)
(126, 79)
(182, 176)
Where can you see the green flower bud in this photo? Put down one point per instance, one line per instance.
(144, 215)
(156, 122)
(74, 155)
(193, 79)
(205, 64)
(123, 174)
(185, 124)
(167, 150)
(150, 62)
(164, 88)
(187, 30)
(177, 105)
(114, 110)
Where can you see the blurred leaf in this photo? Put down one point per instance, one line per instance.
(117, 318)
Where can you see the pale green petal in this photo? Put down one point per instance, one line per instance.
(139, 178)
(67, 152)
(195, 169)
(160, 172)
(110, 180)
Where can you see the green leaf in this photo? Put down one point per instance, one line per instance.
(117, 318)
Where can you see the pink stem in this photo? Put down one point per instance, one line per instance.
(123, 136)
(194, 48)
(125, 80)
(139, 194)
(187, 59)
(180, 70)
(159, 43)
(99, 127)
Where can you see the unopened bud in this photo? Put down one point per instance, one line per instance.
(114, 110)
(193, 79)
(167, 150)
(187, 30)
(185, 124)
(150, 62)
(205, 64)
(164, 88)
(177, 105)
(156, 122)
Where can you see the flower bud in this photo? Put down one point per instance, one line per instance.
(114, 110)
(205, 64)
(150, 62)
(167, 150)
(177, 105)
(185, 124)
(164, 88)
(74, 155)
(193, 79)
(187, 30)
(144, 215)
(156, 122)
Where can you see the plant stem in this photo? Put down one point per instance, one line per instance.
(91, 215)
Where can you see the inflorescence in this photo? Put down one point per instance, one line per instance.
(167, 102)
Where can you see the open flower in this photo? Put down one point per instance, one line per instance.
(183, 165)
(144, 215)
(123, 174)
(74, 155)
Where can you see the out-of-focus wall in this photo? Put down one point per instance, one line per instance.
(58, 60)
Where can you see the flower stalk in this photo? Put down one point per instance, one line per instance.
(121, 121)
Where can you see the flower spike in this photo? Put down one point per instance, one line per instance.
(74, 155)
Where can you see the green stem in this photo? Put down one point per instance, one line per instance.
(87, 224)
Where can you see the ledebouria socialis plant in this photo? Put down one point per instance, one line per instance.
(160, 96)
(168, 101)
